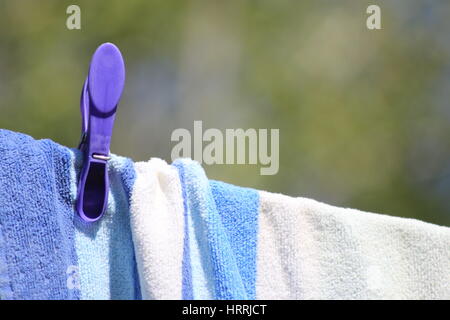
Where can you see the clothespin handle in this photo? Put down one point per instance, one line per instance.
(98, 104)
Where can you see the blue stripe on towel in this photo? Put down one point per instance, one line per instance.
(222, 231)
(36, 219)
(107, 266)
(186, 288)
(198, 277)
(127, 175)
(239, 208)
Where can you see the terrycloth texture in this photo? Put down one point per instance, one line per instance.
(245, 244)
(238, 209)
(197, 239)
(310, 250)
(158, 229)
(106, 262)
(222, 230)
(46, 251)
(37, 251)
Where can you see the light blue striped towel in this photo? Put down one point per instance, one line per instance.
(242, 243)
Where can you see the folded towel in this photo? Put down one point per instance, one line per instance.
(46, 251)
(245, 244)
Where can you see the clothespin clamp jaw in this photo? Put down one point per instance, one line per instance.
(98, 104)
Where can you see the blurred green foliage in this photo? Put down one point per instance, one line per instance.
(364, 116)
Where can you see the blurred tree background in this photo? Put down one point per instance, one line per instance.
(364, 116)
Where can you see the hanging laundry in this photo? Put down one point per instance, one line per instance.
(246, 244)
(46, 250)
(171, 233)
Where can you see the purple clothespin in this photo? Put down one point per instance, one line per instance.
(99, 99)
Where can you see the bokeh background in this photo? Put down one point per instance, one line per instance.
(364, 116)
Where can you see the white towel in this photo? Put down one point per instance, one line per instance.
(310, 250)
(156, 216)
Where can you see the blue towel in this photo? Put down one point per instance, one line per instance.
(37, 234)
(220, 241)
(46, 251)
